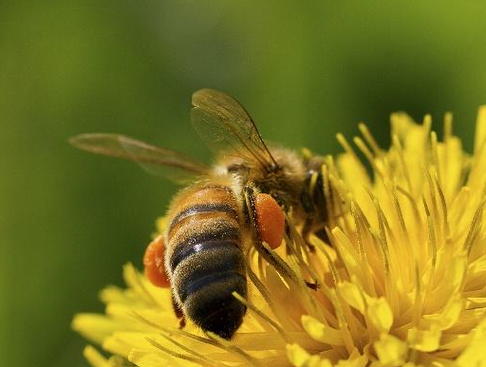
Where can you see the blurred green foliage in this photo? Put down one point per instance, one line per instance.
(306, 70)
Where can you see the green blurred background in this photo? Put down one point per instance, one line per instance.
(306, 70)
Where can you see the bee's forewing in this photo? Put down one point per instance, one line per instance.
(225, 125)
(156, 160)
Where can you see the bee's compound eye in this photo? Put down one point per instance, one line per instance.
(271, 221)
(153, 261)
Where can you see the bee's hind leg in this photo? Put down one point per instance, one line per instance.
(178, 313)
(265, 251)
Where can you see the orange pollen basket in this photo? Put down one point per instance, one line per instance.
(153, 261)
(271, 221)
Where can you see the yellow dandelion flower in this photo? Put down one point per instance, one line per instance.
(401, 281)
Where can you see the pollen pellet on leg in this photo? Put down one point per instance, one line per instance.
(153, 261)
(271, 221)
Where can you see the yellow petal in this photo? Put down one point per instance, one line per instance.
(161, 224)
(424, 340)
(297, 355)
(94, 327)
(451, 313)
(353, 171)
(390, 350)
(355, 360)
(474, 355)
(95, 358)
(321, 332)
(480, 128)
(379, 313)
(316, 361)
(352, 295)
(143, 358)
(449, 316)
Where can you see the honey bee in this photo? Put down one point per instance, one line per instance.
(238, 202)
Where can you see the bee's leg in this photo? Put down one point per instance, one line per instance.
(322, 235)
(320, 232)
(271, 257)
(178, 312)
(306, 232)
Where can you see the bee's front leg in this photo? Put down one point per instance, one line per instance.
(307, 230)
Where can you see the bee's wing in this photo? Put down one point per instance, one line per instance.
(225, 125)
(156, 160)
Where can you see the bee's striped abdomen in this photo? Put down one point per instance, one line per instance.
(206, 260)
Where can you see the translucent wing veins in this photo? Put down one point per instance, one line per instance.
(225, 124)
(150, 157)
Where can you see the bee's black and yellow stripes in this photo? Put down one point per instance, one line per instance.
(206, 259)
